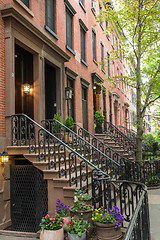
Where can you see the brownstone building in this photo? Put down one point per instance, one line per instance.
(45, 47)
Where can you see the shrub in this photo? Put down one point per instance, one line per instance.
(69, 123)
(56, 127)
(98, 118)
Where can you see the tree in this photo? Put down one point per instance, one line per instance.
(138, 22)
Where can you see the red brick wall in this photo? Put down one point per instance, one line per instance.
(38, 9)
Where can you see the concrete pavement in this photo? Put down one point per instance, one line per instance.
(4, 237)
(154, 211)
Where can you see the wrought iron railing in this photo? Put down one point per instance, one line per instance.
(120, 138)
(51, 149)
(147, 172)
(99, 144)
(131, 134)
(132, 200)
(98, 156)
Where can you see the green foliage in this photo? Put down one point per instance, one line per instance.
(56, 127)
(51, 223)
(80, 201)
(69, 123)
(150, 143)
(77, 226)
(98, 118)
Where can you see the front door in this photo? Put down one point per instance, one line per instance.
(24, 100)
(29, 198)
(50, 91)
(84, 108)
(110, 107)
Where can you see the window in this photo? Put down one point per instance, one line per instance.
(26, 2)
(102, 57)
(100, 12)
(83, 30)
(69, 36)
(94, 44)
(93, 5)
(70, 102)
(81, 2)
(50, 14)
(108, 64)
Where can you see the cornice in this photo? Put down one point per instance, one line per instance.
(11, 12)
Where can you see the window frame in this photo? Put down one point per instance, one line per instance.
(83, 29)
(94, 45)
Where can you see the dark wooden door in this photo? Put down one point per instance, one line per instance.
(24, 103)
(85, 108)
(50, 91)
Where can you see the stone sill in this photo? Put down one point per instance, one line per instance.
(25, 8)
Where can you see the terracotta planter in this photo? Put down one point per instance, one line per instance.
(107, 231)
(85, 215)
(52, 234)
(68, 218)
(76, 237)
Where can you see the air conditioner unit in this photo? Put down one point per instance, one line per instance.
(93, 5)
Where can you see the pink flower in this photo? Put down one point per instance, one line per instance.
(64, 221)
(89, 205)
(52, 219)
(60, 225)
(47, 215)
(76, 217)
(43, 217)
(82, 203)
(56, 213)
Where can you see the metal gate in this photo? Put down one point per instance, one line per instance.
(29, 198)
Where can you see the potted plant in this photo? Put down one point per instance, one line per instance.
(76, 229)
(108, 222)
(63, 211)
(52, 228)
(69, 123)
(81, 208)
(98, 120)
(56, 127)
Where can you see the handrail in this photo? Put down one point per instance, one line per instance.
(130, 132)
(130, 197)
(98, 157)
(97, 139)
(118, 136)
(81, 139)
(130, 141)
(141, 209)
(50, 134)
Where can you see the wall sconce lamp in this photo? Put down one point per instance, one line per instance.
(4, 157)
(94, 87)
(26, 88)
(68, 93)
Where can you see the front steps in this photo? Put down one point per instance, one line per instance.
(114, 145)
(58, 186)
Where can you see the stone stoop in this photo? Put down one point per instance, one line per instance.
(114, 145)
(58, 188)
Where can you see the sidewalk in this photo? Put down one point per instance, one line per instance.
(154, 211)
(3, 237)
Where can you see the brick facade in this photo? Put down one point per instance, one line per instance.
(24, 27)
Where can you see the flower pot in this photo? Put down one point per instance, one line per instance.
(76, 237)
(85, 215)
(107, 231)
(68, 218)
(52, 234)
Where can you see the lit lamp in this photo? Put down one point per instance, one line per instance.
(26, 88)
(68, 93)
(4, 157)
